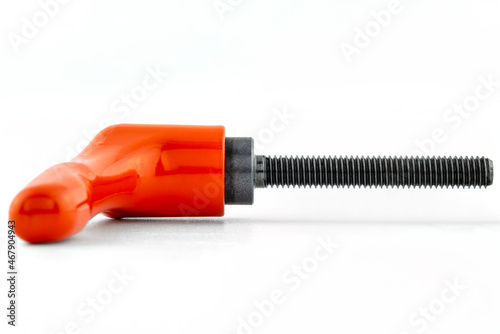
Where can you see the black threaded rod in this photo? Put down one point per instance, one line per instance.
(368, 172)
(245, 171)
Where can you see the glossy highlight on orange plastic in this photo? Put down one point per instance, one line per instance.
(127, 170)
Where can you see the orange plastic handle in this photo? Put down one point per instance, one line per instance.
(126, 171)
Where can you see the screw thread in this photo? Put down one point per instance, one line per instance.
(376, 171)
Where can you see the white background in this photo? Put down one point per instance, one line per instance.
(397, 249)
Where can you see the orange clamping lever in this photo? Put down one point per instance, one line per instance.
(126, 171)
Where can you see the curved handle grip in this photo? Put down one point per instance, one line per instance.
(126, 171)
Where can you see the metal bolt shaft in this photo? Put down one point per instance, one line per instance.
(373, 171)
(245, 171)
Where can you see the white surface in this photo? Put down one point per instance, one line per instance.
(396, 248)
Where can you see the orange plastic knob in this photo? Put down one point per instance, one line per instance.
(126, 171)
